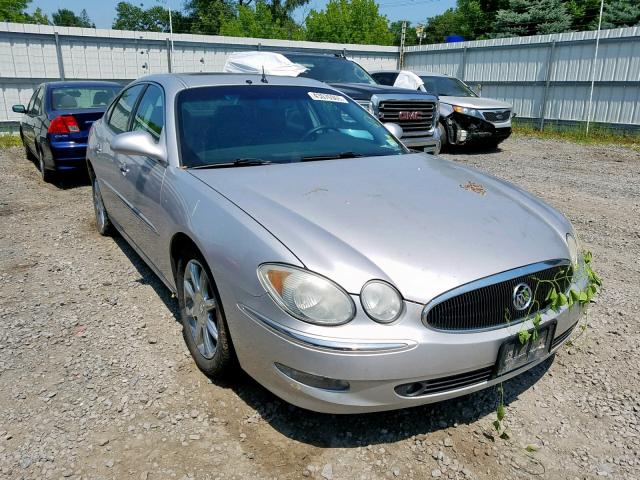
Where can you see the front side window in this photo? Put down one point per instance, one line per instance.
(121, 112)
(331, 69)
(277, 124)
(32, 101)
(150, 113)
(81, 98)
(447, 86)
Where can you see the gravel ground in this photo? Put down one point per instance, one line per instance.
(95, 381)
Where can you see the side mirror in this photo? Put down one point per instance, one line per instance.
(395, 129)
(19, 109)
(138, 143)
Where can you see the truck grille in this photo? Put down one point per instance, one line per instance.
(413, 116)
(497, 115)
(492, 305)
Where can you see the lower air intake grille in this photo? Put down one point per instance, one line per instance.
(560, 339)
(444, 384)
(492, 304)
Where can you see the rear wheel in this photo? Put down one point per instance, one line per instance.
(45, 174)
(103, 224)
(203, 324)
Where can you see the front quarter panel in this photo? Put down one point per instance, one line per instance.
(232, 242)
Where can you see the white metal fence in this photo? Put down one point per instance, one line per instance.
(545, 76)
(31, 54)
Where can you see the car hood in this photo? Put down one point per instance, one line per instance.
(423, 223)
(474, 102)
(364, 91)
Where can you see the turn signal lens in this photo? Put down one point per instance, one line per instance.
(306, 296)
(572, 243)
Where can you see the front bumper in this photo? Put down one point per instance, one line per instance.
(465, 130)
(373, 367)
(430, 142)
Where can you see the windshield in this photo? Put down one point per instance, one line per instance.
(79, 98)
(276, 124)
(447, 86)
(331, 69)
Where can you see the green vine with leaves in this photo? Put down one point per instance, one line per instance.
(557, 297)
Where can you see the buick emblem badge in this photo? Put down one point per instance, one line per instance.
(522, 296)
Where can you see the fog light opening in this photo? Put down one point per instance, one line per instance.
(410, 389)
(312, 380)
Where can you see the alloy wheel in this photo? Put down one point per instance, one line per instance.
(201, 308)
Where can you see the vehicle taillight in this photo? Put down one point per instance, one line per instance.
(64, 124)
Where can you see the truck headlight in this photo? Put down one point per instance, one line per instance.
(366, 104)
(305, 295)
(381, 301)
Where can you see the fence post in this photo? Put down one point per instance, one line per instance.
(169, 59)
(463, 66)
(59, 55)
(547, 78)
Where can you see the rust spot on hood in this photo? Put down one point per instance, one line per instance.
(474, 187)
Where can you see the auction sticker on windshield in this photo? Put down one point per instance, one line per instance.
(327, 97)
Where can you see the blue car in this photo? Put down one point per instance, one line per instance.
(55, 124)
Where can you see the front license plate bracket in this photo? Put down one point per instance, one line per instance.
(514, 355)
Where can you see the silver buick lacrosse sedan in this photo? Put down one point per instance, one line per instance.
(342, 271)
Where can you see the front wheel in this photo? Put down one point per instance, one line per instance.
(443, 136)
(203, 324)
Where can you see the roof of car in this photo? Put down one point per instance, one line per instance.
(419, 73)
(191, 80)
(83, 83)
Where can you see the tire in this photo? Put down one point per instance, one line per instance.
(103, 223)
(46, 175)
(27, 151)
(444, 142)
(204, 327)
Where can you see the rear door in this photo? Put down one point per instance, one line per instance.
(109, 166)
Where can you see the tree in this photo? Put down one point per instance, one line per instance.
(411, 37)
(260, 22)
(532, 17)
(67, 18)
(38, 17)
(349, 21)
(154, 19)
(14, 10)
(619, 13)
(207, 15)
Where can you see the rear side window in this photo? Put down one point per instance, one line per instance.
(121, 113)
(150, 113)
(71, 98)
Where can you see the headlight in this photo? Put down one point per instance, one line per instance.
(366, 104)
(381, 301)
(467, 111)
(572, 243)
(306, 296)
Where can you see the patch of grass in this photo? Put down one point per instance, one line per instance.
(7, 141)
(598, 135)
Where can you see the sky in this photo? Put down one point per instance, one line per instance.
(102, 12)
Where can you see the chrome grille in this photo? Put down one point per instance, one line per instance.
(497, 115)
(491, 305)
(393, 110)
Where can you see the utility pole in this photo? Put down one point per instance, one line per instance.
(420, 33)
(593, 67)
(403, 37)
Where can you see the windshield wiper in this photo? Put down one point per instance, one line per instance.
(238, 162)
(335, 156)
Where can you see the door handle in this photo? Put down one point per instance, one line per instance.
(124, 169)
(98, 148)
